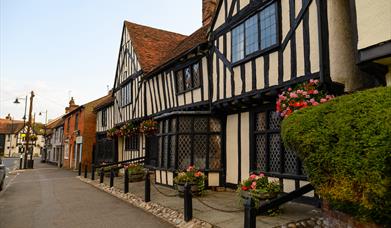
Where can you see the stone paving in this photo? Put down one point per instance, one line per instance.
(292, 214)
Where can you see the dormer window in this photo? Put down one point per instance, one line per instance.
(255, 35)
(188, 78)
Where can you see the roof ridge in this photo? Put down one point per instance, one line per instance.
(159, 29)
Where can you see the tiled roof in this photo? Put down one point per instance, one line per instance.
(106, 100)
(200, 36)
(151, 45)
(10, 126)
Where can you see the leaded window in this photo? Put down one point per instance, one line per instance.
(132, 143)
(104, 118)
(186, 140)
(258, 33)
(238, 43)
(268, 28)
(126, 93)
(269, 153)
(251, 26)
(188, 78)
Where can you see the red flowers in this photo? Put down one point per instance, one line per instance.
(303, 95)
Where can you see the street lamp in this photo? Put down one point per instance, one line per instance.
(25, 107)
(28, 126)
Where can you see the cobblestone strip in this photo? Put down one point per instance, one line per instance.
(172, 216)
(316, 222)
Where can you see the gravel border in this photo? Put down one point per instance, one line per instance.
(167, 214)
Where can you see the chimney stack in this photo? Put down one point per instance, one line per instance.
(71, 106)
(208, 9)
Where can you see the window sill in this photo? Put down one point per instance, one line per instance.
(185, 91)
(256, 54)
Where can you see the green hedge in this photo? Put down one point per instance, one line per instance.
(345, 145)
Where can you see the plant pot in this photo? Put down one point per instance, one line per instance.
(136, 177)
(194, 189)
(261, 196)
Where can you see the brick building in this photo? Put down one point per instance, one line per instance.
(79, 133)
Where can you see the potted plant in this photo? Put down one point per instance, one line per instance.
(107, 169)
(191, 176)
(301, 96)
(136, 172)
(259, 188)
(149, 127)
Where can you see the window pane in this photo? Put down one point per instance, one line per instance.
(268, 26)
(200, 150)
(251, 34)
(184, 151)
(215, 152)
(179, 81)
(238, 43)
(187, 78)
(196, 75)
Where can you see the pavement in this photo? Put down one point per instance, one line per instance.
(226, 200)
(47, 196)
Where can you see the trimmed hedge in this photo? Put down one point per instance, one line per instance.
(345, 145)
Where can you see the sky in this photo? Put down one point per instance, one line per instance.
(69, 48)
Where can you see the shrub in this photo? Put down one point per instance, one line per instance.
(345, 145)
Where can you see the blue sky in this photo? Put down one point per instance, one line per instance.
(63, 48)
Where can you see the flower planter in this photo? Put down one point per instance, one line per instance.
(194, 189)
(136, 177)
(261, 196)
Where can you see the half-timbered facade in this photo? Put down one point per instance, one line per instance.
(213, 93)
(105, 147)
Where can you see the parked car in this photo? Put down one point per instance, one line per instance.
(2, 175)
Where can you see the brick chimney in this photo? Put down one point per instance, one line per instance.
(71, 106)
(208, 9)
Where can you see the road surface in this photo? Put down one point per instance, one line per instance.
(47, 196)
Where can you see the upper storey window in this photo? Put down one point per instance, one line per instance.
(126, 92)
(188, 78)
(256, 34)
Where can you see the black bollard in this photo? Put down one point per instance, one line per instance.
(85, 171)
(147, 189)
(111, 177)
(79, 168)
(102, 174)
(126, 181)
(20, 163)
(188, 203)
(92, 172)
(249, 213)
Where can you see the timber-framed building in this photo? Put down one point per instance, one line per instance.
(213, 93)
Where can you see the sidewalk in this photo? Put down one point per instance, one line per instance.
(291, 212)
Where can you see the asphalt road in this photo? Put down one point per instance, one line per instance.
(51, 197)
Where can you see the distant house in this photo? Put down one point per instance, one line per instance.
(79, 133)
(13, 137)
(55, 142)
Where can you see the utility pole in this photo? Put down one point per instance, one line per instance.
(28, 132)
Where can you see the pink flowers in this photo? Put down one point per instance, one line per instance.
(198, 174)
(301, 96)
(190, 168)
(253, 185)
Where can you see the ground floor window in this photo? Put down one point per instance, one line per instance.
(185, 140)
(268, 152)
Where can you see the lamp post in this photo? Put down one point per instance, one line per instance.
(28, 127)
(24, 124)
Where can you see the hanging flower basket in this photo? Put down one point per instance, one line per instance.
(301, 96)
(129, 129)
(111, 133)
(149, 127)
(33, 137)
